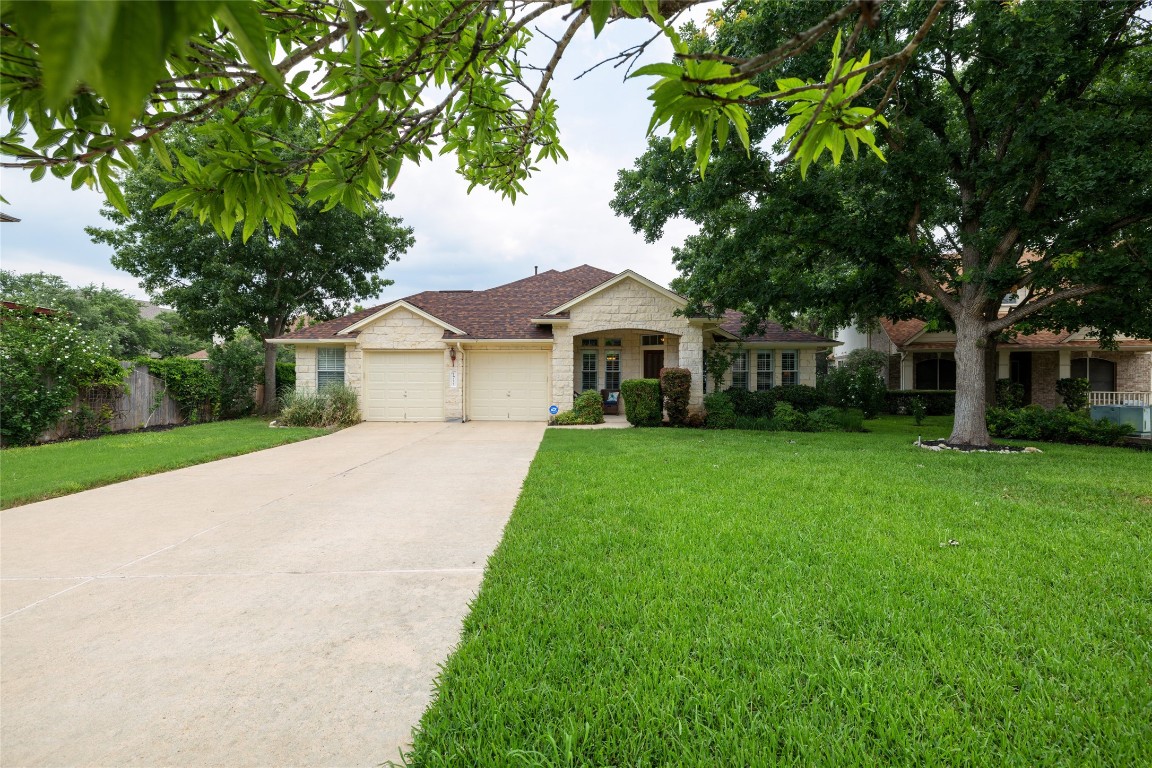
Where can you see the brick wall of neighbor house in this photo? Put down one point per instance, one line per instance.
(628, 304)
(404, 330)
(1045, 372)
(305, 368)
(1133, 369)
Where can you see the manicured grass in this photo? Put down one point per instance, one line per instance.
(45, 471)
(679, 597)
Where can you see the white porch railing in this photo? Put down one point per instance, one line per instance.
(1120, 398)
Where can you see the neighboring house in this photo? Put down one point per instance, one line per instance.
(149, 311)
(513, 351)
(922, 359)
(200, 357)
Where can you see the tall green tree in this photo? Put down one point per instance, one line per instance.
(260, 284)
(1017, 162)
(110, 318)
(93, 89)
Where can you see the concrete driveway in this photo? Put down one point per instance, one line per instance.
(284, 608)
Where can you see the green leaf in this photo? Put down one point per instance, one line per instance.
(599, 10)
(659, 68)
(128, 72)
(112, 190)
(246, 26)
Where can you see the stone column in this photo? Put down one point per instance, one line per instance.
(907, 372)
(562, 367)
(692, 358)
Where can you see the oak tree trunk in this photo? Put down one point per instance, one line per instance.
(269, 404)
(971, 425)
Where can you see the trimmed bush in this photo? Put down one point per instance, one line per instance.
(1059, 425)
(800, 396)
(642, 402)
(719, 410)
(1074, 392)
(824, 419)
(753, 405)
(788, 419)
(587, 409)
(937, 402)
(676, 383)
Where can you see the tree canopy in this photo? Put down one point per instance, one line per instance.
(263, 284)
(110, 319)
(98, 88)
(1016, 163)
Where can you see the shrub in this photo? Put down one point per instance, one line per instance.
(696, 419)
(45, 360)
(788, 419)
(285, 377)
(676, 383)
(852, 420)
(1058, 426)
(239, 366)
(754, 405)
(937, 402)
(720, 413)
(757, 425)
(588, 409)
(1009, 394)
(1074, 392)
(862, 387)
(194, 388)
(334, 406)
(917, 409)
(341, 406)
(642, 402)
(718, 359)
(799, 396)
(824, 419)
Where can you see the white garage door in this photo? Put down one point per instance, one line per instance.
(404, 386)
(509, 385)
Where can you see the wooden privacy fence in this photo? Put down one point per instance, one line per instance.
(144, 403)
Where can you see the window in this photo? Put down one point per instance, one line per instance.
(612, 370)
(589, 342)
(329, 366)
(652, 340)
(612, 343)
(1101, 374)
(789, 370)
(934, 370)
(764, 369)
(740, 372)
(588, 371)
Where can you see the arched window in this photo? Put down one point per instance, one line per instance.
(1101, 374)
(935, 370)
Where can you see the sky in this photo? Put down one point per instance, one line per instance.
(463, 241)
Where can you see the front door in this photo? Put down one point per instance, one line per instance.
(653, 362)
(1020, 372)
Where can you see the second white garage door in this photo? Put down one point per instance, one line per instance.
(509, 385)
(404, 386)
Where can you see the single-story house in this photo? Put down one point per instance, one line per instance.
(514, 351)
(919, 358)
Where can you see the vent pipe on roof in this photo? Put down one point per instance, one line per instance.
(536, 270)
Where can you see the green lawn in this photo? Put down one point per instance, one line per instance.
(45, 471)
(681, 597)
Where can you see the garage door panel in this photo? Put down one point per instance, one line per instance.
(509, 385)
(403, 386)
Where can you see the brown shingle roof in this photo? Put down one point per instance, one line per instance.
(733, 321)
(900, 331)
(503, 312)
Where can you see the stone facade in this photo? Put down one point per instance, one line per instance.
(305, 368)
(805, 364)
(627, 305)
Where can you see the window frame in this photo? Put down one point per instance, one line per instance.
(585, 370)
(330, 369)
(612, 377)
(740, 366)
(660, 340)
(765, 374)
(789, 374)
